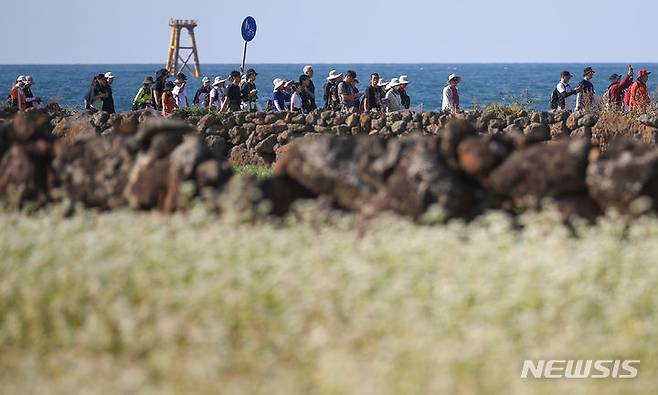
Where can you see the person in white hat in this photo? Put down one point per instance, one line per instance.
(404, 97)
(202, 95)
(17, 94)
(393, 100)
(108, 102)
(310, 89)
(217, 93)
(331, 97)
(451, 94)
(278, 96)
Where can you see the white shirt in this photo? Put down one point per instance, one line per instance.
(296, 100)
(568, 101)
(217, 96)
(447, 103)
(180, 96)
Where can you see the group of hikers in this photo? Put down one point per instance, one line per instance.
(238, 92)
(20, 96)
(622, 93)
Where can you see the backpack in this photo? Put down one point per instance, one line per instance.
(555, 99)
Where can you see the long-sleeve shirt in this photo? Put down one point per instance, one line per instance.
(180, 96)
(565, 92)
(18, 97)
(616, 91)
(639, 95)
(450, 99)
(585, 98)
(393, 100)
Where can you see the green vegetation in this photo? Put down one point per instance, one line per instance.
(255, 170)
(191, 111)
(142, 303)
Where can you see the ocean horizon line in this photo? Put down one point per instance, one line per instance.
(335, 63)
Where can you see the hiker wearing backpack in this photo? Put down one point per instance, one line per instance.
(331, 96)
(561, 96)
(617, 89)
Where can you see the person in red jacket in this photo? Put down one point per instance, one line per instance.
(168, 100)
(639, 98)
(617, 88)
(17, 94)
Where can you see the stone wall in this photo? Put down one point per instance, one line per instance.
(404, 163)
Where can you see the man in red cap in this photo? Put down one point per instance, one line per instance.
(639, 97)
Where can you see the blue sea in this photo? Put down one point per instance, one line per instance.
(482, 83)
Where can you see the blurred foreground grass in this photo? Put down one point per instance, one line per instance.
(255, 170)
(142, 303)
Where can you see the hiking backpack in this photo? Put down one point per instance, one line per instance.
(555, 99)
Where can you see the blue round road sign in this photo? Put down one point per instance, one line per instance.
(248, 28)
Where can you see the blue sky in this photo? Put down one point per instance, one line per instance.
(337, 31)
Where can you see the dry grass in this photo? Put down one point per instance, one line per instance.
(140, 303)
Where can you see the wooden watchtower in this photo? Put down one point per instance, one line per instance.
(176, 52)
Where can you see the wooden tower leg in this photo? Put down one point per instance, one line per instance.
(197, 66)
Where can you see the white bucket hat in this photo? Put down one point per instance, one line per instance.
(382, 83)
(20, 78)
(333, 74)
(218, 80)
(404, 80)
(109, 75)
(453, 76)
(278, 83)
(394, 82)
(205, 79)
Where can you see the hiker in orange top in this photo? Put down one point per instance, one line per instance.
(168, 100)
(17, 94)
(639, 97)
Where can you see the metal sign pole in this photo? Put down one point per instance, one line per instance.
(244, 57)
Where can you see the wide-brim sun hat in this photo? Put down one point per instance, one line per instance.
(278, 83)
(382, 83)
(454, 76)
(393, 83)
(205, 79)
(404, 80)
(218, 80)
(333, 74)
(20, 78)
